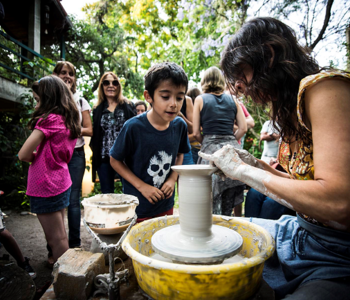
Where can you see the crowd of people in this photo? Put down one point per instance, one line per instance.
(298, 190)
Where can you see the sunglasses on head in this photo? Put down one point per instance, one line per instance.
(107, 82)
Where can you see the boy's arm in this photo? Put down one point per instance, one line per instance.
(169, 185)
(26, 152)
(151, 193)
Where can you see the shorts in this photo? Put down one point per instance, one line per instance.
(45, 205)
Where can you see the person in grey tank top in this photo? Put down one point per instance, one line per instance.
(214, 115)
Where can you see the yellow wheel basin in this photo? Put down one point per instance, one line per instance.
(165, 280)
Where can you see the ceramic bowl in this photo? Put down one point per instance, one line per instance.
(109, 213)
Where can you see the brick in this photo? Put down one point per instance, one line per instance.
(75, 272)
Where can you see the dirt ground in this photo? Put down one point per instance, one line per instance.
(30, 237)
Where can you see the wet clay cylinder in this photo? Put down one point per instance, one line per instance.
(195, 202)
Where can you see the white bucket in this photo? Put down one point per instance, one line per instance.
(109, 213)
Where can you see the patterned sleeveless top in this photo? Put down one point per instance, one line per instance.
(300, 165)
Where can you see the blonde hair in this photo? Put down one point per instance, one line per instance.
(57, 70)
(101, 95)
(213, 81)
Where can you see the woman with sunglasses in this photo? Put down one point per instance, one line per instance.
(66, 71)
(112, 111)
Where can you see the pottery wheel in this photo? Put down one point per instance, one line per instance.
(221, 244)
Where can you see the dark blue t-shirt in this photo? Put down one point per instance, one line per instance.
(149, 154)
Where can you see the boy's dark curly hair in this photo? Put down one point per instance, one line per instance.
(164, 71)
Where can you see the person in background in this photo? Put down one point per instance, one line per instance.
(249, 119)
(186, 113)
(270, 135)
(56, 127)
(264, 60)
(11, 246)
(258, 205)
(140, 107)
(216, 112)
(195, 145)
(250, 124)
(151, 143)
(112, 111)
(66, 71)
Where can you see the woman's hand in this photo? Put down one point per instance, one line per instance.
(249, 159)
(227, 160)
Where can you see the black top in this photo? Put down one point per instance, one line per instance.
(96, 140)
(183, 108)
(218, 114)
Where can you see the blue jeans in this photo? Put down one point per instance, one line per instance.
(106, 174)
(76, 168)
(188, 159)
(257, 205)
(195, 154)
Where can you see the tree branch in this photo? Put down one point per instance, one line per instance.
(325, 24)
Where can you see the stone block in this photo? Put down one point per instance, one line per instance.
(74, 274)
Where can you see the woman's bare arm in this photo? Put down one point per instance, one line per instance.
(241, 122)
(86, 129)
(198, 105)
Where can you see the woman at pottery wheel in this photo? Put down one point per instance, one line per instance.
(264, 61)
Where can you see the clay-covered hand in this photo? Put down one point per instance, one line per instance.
(168, 188)
(227, 160)
(151, 193)
(249, 159)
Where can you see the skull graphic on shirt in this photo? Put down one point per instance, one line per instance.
(159, 167)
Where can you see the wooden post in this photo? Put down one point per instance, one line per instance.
(34, 26)
(348, 48)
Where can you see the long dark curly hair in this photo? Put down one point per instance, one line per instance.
(279, 63)
(56, 98)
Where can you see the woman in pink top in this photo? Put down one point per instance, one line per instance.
(56, 127)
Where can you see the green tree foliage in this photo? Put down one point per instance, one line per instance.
(98, 48)
(191, 33)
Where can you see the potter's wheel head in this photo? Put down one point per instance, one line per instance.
(171, 243)
(194, 170)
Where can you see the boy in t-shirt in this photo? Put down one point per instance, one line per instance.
(150, 143)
